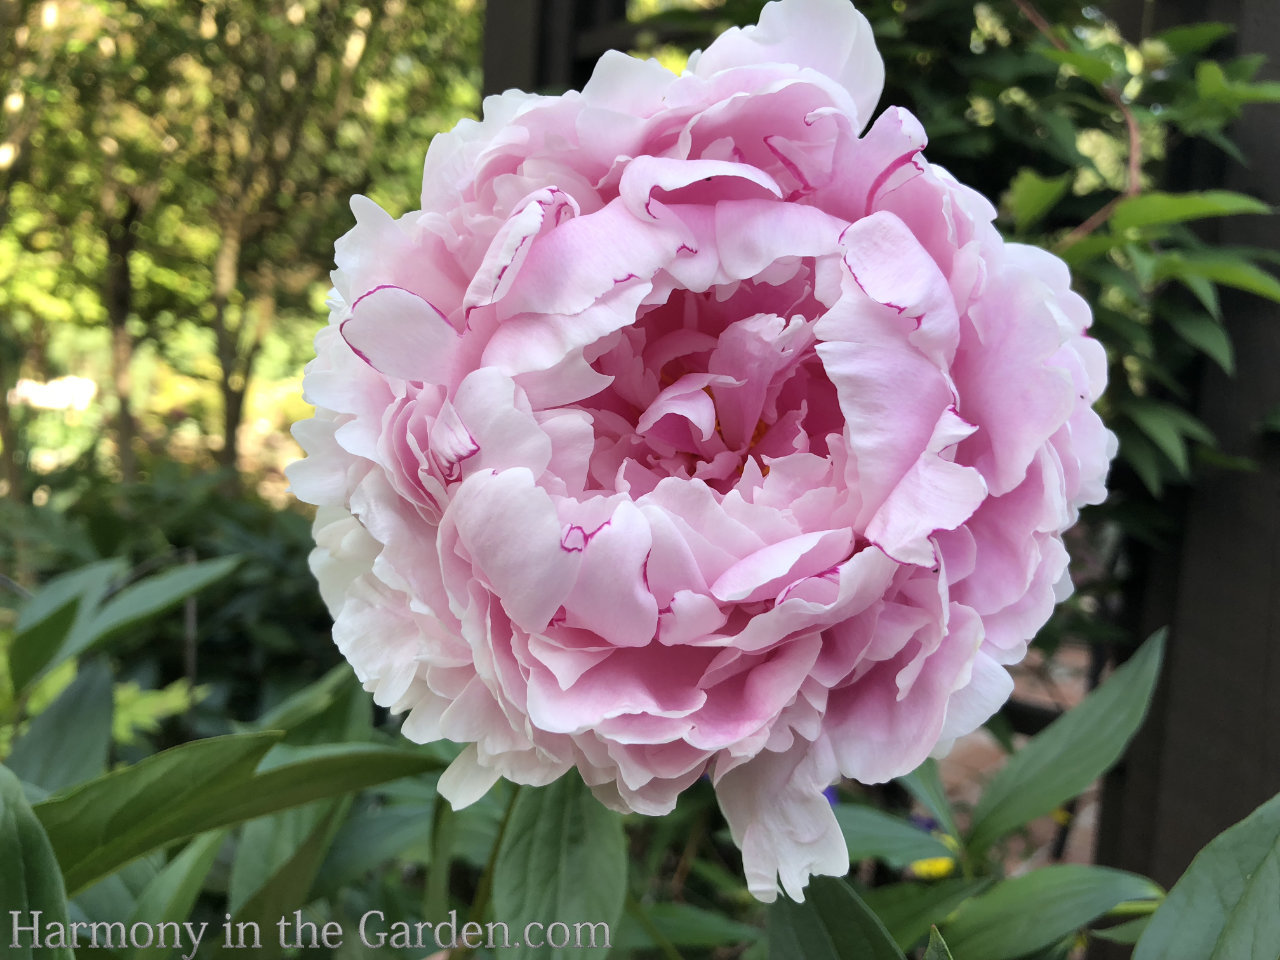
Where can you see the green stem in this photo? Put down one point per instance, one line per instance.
(666, 946)
(485, 890)
(436, 900)
(1134, 908)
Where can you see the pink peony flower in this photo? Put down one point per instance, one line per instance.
(689, 428)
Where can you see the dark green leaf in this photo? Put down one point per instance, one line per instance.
(1205, 334)
(171, 895)
(148, 598)
(1093, 67)
(373, 836)
(1224, 906)
(116, 896)
(937, 949)
(1222, 268)
(925, 785)
(907, 910)
(1195, 37)
(267, 845)
(1037, 909)
(1063, 759)
(30, 881)
(1087, 249)
(1156, 208)
(289, 873)
(49, 620)
(105, 823)
(1031, 196)
(315, 699)
(1161, 432)
(1205, 291)
(68, 742)
(832, 924)
(1127, 932)
(1143, 457)
(871, 833)
(682, 925)
(562, 855)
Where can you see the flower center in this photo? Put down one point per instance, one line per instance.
(706, 381)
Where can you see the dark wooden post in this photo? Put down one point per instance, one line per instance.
(1210, 751)
(549, 46)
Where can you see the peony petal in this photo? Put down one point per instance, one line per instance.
(644, 175)
(829, 36)
(400, 334)
(782, 822)
(762, 574)
(889, 266)
(465, 781)
(543, 210)
(573, 266)
(610, 597)
(935, 494)
(532, 574)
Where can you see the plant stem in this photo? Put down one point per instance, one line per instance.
(667, 948)
(436, 900)
(485, 890)
(1133, 178)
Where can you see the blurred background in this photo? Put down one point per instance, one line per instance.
(174, 173)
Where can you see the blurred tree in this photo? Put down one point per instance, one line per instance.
(193, 163)
(299, 109)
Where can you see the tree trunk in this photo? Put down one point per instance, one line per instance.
(119, 302)
(11, 473)
(226, 276)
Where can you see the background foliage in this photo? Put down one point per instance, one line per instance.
(172, 178)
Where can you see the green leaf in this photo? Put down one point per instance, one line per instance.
(562, 855)
(832, 924)
(1143, 457)
(107, 822)
(1063, 759)
(925, 784)
(872, 834)
(267, 846)
(937, 949)
(171, 895)
(1205, 291)
(1127, 932)
(1094, 68)
(907, 910)
(30, 880)
(1087, 249)
(1035, 910)
(1195, 37)
(373, 835)
(312, 701)
(50, 618)
(69, 741)
(1031, 196)
(151, 597)
(116, 896)
(1166, 425)
(1212, 83)
(36, 651)
(334, 708)
(1156, 208)
(1224, 906)
(198, 786)
(681, 925)
(1221, 267)
(1205, 334)
(286, 885)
